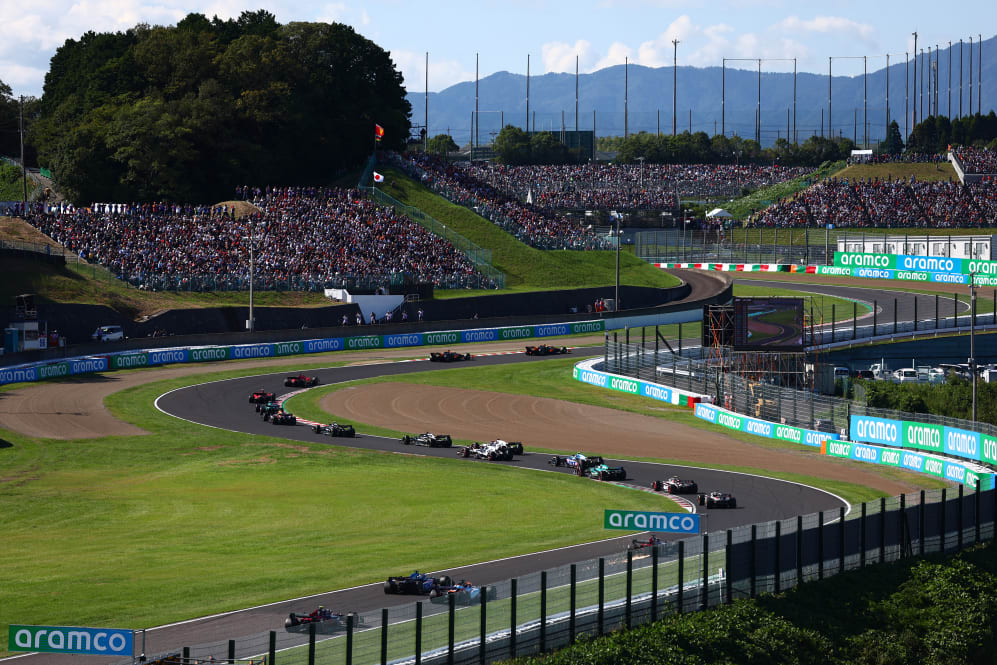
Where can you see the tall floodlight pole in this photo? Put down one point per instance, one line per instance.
(758, 122)
(426, 146)
(675, 61)
(914, 119)
(886, 131)
(576, 105)
(950, 80)
(931, 110)
(723, 97)
(972, 335)
(971, 75)
(920, 93)
(960, 78)
(829, 96)
(794, 100)
(865, 101)
(527, 94)
(626, 99)
(24, 169)
(477, 117)
(979, 81)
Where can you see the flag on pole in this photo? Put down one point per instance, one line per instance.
(378, 177)
(378, 132)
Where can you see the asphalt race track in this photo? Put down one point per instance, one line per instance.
(223, 404)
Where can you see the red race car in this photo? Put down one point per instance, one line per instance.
(300, 381)
(261, 397)
(546, 350)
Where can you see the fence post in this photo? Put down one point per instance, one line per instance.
(513, 594)
(882, 529)
(833, 319)
(955, 310)
(915, 312)
(902, 531)
(349, 639)
(976, 510)
(920, 525)
(754, 560)
(602, 595)
(799, 550)
(186, 654)
(820, 545)
(704, 590)
(543, 611)
(862, 536)
(895, 315)
(728, 563)
(311, 644)
(654, 580)
(418, 633)
(630, 588)
(936, 311)
(681, 575)
(875, 317)
(680, 338)
(841, 539)
(571, 618)
(272, 650)
(451, 626)
(960, 519)
(384, 636)
(484, 625)
(231, 651)
(944, 506)
(777, 583)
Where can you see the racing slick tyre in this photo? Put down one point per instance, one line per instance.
(657, 485)
(445, 580)
(389, 587)
(317, 429)
(434, 593)
(702, 499)
(407, 440)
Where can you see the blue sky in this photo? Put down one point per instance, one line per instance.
(599, 32)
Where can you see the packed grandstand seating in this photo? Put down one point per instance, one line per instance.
(901, 158)
(886, 203)
(305, 237)
(977, 160)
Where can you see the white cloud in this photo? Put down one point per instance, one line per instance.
(442, 73)
(828, 25)
(560, 57)
(617, 55)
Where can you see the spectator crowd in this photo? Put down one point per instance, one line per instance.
(306, 236)
(977, 160)
(906, 202)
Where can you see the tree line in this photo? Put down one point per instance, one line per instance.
(187, 112)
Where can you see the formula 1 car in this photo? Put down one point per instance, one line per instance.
(494, 450)
(326, 621)
(675, 485)
(546, 350)
(335, 429)
(416, 584)
(464, 593)
(448, 356)
(606, 472)
(261, 397)
(636, 544)
(283, 417)
(300, 381)
(578, 463)
(267, 410)
(718, 500)
(428, 439)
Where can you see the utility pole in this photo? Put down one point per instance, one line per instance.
(794, 101)
(675, 60)
(723, 97)
(960, 77)
(758, 130)
(24, 169)
(886, 132)
(527, 94)
(426, 147)
(971, 75)
(979, 81)
(829, 132)
(626, 93)
(950, 80)
(906, 95)
(865, 101)
(914, 120)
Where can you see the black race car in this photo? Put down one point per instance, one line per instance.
(282, 417)
(675, 485)
(578, 462)
(335, 429)
(416, 584)
(326, 621)
(261, 397)
(301, 381)
(636, 544)
(546, 350)
(448, 356)
(464, 593)
(606, 472)
(718, 500)
(428, 439)
(267, 410)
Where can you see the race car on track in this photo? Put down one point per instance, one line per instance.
(718, 500)
(416, 584)
(578, 463)
(448, 356)
(283, 417)
(546, 350)
(268, 409)
(606, 472)
(261, 397)
(637, 544)
(326, 621)
(675, 485)
(494, 450)
(335, 429)
(464, 593)
(300, 381)
(428, 439)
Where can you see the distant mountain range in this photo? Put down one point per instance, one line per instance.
(502, 98)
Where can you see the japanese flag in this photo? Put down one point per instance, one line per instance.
(378, 177)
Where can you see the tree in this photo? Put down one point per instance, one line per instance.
(442, 144)
(893, 144)
(512, 145)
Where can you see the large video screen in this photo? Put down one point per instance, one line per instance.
(768, 324)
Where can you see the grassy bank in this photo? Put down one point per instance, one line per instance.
(761, 198)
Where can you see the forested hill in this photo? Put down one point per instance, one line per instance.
(188, 112)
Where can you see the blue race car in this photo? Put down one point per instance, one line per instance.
(417, 583)
(578, 462)
(464, 593)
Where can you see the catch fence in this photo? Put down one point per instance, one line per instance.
(550, 609)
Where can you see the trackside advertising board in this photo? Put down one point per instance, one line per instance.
(741, 423)
(67, 639)
(625, 384)
(911, 461)
(639, 520)
(198, 354)
(925, 437)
